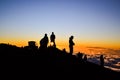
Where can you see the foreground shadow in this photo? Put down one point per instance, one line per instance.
(53, 61)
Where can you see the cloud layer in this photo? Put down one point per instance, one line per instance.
(111, 57)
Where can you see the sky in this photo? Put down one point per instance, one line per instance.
(93, 23)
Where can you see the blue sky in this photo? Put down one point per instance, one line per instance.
(88, 20)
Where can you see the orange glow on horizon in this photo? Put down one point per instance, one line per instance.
(61, 44)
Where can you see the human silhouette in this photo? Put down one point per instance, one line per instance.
(52, 38)
(80, 55)
(64, 50)
(101, 60)
(44, 42)
(71, 44)
(85, 58)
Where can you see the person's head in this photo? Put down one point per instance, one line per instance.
(52, 32)
(101, 55)
(72, 37)
(45, 35)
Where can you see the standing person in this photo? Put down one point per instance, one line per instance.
(101, 60)
(44, 42)
(71, 44)
(52, 38)
(85, 58)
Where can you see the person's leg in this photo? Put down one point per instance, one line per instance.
(54, 44)
(71, 50)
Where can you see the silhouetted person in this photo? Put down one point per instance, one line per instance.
(80, 55)
(101, 60)
(64, 50)
(71, 44)
(44, 42)
(52, 38)
(85, 58)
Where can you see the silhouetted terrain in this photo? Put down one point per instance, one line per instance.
(50, 61)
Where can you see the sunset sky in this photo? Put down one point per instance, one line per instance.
(93, 23)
